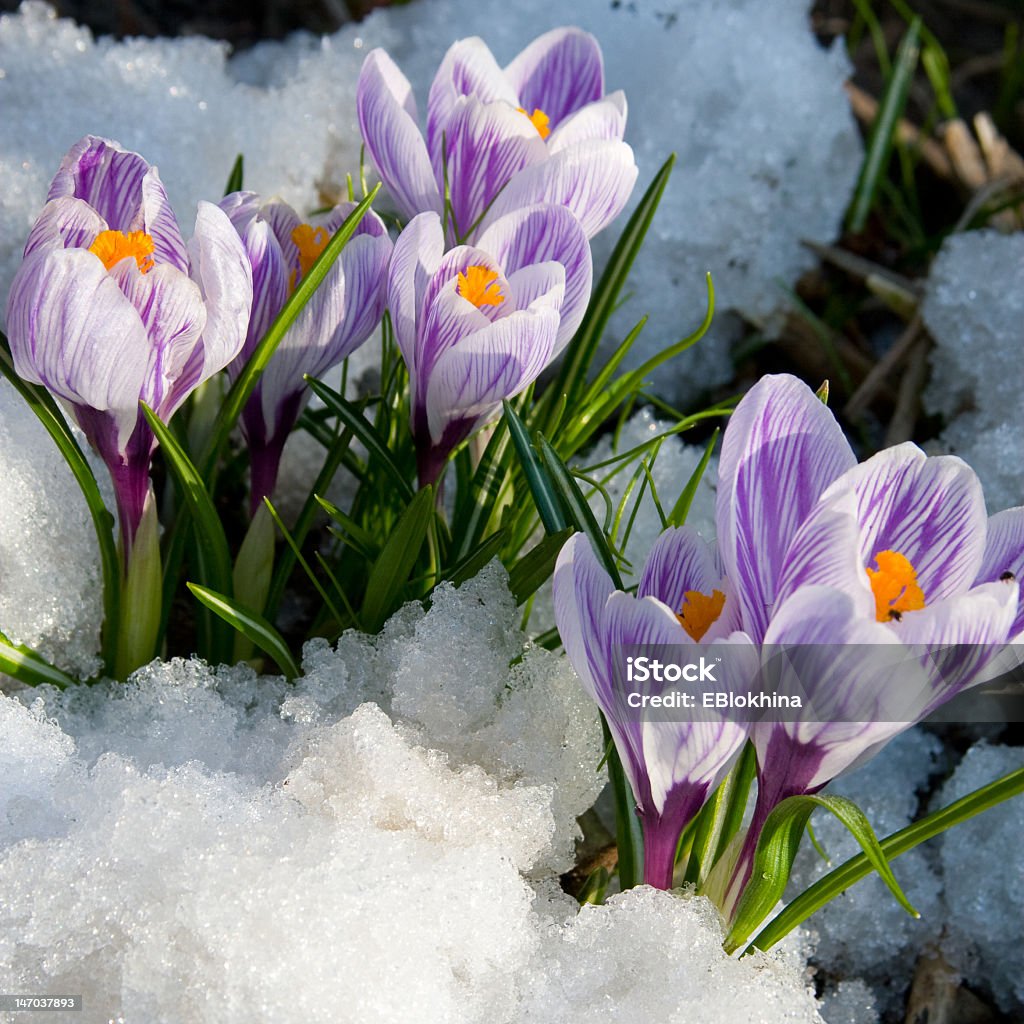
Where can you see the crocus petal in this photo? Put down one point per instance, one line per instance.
(171, 308)
(387, 120)
(930, 510)
(1004, 552)
(593, 180)
(72, 329)
(542, 233)
(219, 266)
(414, 261)
(65, 223)
(468, 69)
(542, 284)
(782, 449)
(107, 177)
(604, 119)
(157, 219)
(470, 380)
(559, 72)
(826, 552)
(487, 145)
(283, 221)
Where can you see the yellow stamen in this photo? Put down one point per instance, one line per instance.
(479, 286)
(539, 120)
(113, 246)
(894, 584)
(310, 242)
(700, 612)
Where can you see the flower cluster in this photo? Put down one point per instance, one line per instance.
(817, 553)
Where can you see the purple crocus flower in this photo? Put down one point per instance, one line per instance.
(825, 552)
(339, 317)
(478, 324)
(110, 307)
(672, 766)
(541, 130)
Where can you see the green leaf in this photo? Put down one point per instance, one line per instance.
(364, 432)
(22, 663)
(235, 177)
(580, 512)
(249, 623)
(531, 571)
(478, 499)
(246, 381)
(776, 851)
(476, 559)
(883, 131)
(681, 509)
(893, 846)
(628, 833)
(351, 532)
(391, 571)
(211, 545)
(544, 495)
(56, 426)
(572, 377)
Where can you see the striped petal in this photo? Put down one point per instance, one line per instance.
(1004, 552)
(782, 449)
(65, 223)
(542, 233)
(593, 180)
(604, 119)
(930, 510)
(470, 380)
(468, 69)
(387, 120)
(559, 72)
(157, 219)
(487, 145)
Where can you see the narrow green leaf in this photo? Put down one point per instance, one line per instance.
(580, 512)
(572, 377)
(741, 779)
(364, 432)
(841, 878)
(776, 851)
(351, 532)
(397, 559)
(681, 509)
(212, 551)
(628, 833)
(249, 623)
(56, 426)
(544, 495)
(880, 142)
(527, 576)
(22, 663)
(235, 177)
(246, 381)
(477, 501)
(476, 559)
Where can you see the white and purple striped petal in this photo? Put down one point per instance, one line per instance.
(1004, 554)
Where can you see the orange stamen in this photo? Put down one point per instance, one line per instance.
(310, 242)
(539, 120)
(479, 286)
(700, 612)
(113, 246)
(894, 584)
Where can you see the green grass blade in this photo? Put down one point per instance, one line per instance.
(246, 381)
(841, 878)
(364, 432)
(572, 376)
(476, 559)
(681, 509)
(544, 495)
(628, 833)
(880, 142)
(50, 416)
(250, 624)
(392, 569)
(532, 570)
(22, 663)
(234, 183)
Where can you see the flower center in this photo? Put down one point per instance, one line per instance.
(113, 246)
(539, 120)
(699, 612)
(894, 584)
(479, 286)
(310, 242)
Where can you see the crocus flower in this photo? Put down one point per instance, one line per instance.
(672, 766)
(541, 130)
(822, 551)
(110, 307)
(339, 317)
(478, 324)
